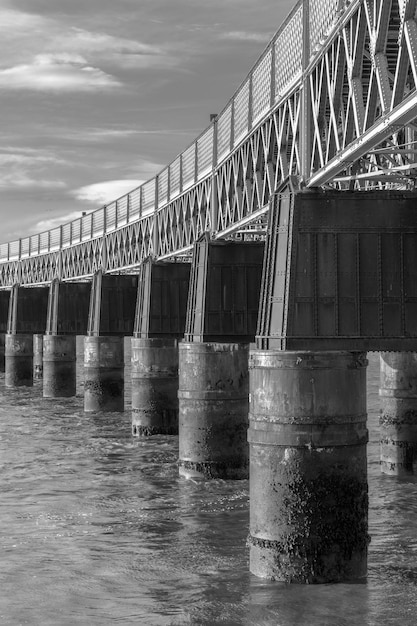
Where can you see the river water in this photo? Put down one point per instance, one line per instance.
(97, 528)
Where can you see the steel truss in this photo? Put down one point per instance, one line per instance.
(332, 101)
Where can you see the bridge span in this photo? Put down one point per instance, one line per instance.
(252, 275)
(331, 101)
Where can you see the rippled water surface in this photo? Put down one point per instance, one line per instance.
(97, 528)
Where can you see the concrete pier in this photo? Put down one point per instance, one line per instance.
(2, 350)
(67, 316)
(59, 366)
(37, 356)
(308, 474)
(110, 317)
(213, 422)
(398, 420)
(103, 374)
(18, 360)
(154, 371)
(213, 390)
(161, 308)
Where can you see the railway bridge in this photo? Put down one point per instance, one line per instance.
(253, 274)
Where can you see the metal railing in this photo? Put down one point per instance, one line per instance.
(277, 71)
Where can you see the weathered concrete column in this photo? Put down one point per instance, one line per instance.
(2, 349)
(103, 374)
(213, 398)
(398, 420)
(4, 310)
(213, 390)
(110, 318)
(161, 308)
(154, 370)
(18, 360)
(37, 356)
(308, 474)
(59, 366)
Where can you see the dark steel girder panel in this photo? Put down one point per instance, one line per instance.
(340, 271)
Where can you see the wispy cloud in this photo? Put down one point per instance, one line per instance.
(126, 53)
(22, 168)
(104, 134)
(53, 222)
(241, 35)
(106, 191)
(21, 180)
(56, 72)
(48, 41)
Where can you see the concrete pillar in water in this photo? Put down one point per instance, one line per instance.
(398, 421)
(18, 360)
(213, 410)
(59, 366)
(37, 356)
(103, 374)
(2, 349)
(79, 351)
(308, 474)
(154, 371)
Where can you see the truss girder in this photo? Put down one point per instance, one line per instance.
(361, 120)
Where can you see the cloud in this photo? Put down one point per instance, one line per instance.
(104, 134)
(56, 72)
(240, 35)
(53, 222)
(20, 180)
(22, 168)
(24, 34)
(106, 191)
(117, 50)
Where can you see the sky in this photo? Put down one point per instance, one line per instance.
(97, 96)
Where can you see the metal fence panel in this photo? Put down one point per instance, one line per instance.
(289, 53)
(148, 196)
(110, 217)
(134, 205)
(55, 239)
(224, 132)
(163, 187)
(98, 222)
(76, 231)
(44, 242)
(205, 152)
(86, 227)
(323, 14)
(188, 167)
(66, 235)
(174, 178)
(241, 117)
(4, 251)
(122, 211)
(24, 246)
(14, 248)
(261, 86)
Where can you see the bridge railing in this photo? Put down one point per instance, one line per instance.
(277, 71)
